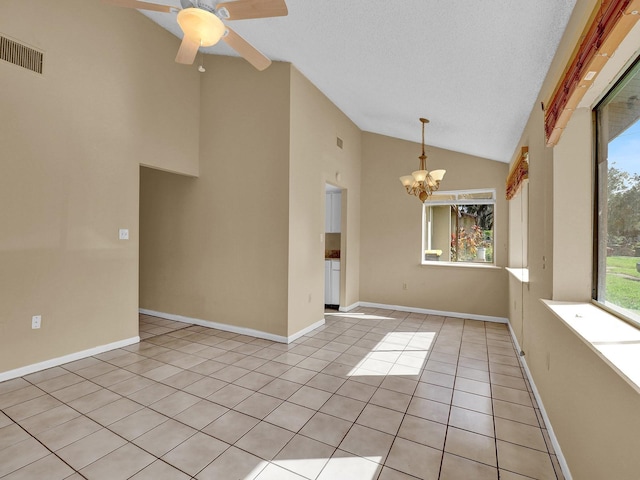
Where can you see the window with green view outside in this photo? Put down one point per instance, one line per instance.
(457, 227)
(616, 283)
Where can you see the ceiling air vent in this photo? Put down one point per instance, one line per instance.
(21, 55)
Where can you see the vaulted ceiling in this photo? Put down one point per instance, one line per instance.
(473, 68)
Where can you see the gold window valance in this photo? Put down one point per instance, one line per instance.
(610, 23)
(519, 173)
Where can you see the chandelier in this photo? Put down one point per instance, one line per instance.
(423, 183)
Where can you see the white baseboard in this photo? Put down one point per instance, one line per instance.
(400, 308)
(72, 357)
(350, 307)
(554, 440)
(233, 328)
(304, 331)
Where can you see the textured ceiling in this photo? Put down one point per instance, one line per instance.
(474, 68)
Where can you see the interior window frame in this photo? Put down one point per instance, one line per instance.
(600, 149)
(458, 198)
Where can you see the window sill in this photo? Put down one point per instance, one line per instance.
(520, 274)
(612, 339)
(487, 266)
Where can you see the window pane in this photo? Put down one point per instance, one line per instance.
(476, 195)
(458, 233)
(618, 170)
(442, 197)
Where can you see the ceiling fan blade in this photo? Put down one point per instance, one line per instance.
(248, 51)
(187, 51)
(140, 5)
(243, 9)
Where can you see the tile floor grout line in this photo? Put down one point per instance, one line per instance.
(444, 444)
(80, 414)
(533, 402)
(172, 418)
(168, 418)
(358, 335)
(493, 413)
(34, 437)
(117, 434)
(230, 445)
(541, 423)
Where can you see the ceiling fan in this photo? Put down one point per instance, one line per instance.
(202, 24)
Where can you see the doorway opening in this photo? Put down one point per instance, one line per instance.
(334, 246)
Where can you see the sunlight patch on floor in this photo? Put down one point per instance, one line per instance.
(398, 353)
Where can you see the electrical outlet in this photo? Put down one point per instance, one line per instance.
(123, 234)
(36, 321)
(404, 285)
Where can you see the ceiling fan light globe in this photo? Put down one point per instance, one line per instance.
(201, 26)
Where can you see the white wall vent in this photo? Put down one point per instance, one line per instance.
(21, 55)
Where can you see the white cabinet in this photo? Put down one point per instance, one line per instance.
(327, 282)
(335, 282)
(332, 282)
(333, 213)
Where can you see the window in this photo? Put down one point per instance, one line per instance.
(616, 283)
(458, 227)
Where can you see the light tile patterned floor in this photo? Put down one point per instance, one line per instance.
(374, 394)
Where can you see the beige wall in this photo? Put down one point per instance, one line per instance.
(210, 243)
(593, 411)
(262, 237)
(572, 215)
(71, 141)
(111, 98)
(391, 232)
(316, 160)
(215, 248)
(519, 227)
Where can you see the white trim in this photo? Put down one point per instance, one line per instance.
(601, 332)
(470, 316)
(464, 201)
(484, 265)
(554, 440)
(72, 357)
(350, 307)
(306, 330)
(233, 328)
(520, 274)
